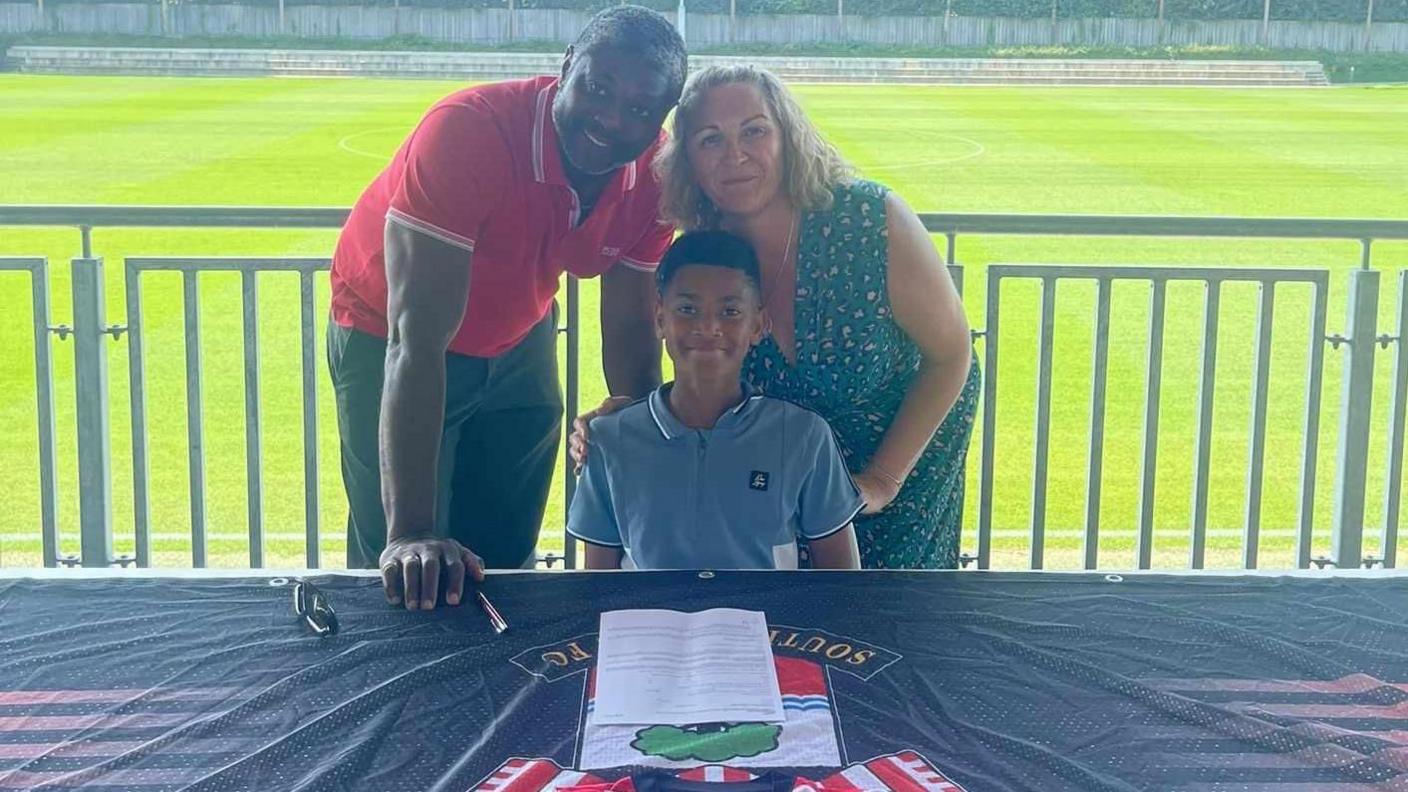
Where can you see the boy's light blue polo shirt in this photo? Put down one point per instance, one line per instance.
(733, 497)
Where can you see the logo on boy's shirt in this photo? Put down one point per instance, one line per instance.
(610, 250)
(758, 480)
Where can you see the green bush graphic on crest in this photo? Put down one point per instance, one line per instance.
(708, 742)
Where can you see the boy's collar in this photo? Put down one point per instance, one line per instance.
(671, 427)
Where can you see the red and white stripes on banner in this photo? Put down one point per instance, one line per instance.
(906, 771)
(532, 775)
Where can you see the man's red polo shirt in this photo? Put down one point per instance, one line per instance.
(482, 172)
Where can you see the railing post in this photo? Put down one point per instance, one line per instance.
(569, 545)
(91, 386)
(986, 465)
(1398, 401)
(44, 392)
(1356, 400)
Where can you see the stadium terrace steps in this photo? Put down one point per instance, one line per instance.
(494, 66)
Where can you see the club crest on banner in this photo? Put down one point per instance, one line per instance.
(810, 735)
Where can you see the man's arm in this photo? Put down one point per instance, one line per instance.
(427, 286)
(630, 352)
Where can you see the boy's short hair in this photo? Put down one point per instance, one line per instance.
(709, 248)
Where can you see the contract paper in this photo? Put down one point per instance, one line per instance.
(661, 667)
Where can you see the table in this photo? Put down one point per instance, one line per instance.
(970, 681)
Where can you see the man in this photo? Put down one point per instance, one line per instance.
(442, 343)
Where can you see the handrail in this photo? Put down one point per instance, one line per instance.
(935, 222)
(174, 216)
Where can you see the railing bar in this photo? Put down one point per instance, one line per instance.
(1099, 377)
(569, 544)
(1388, 540)
(985, 484)
(935, 222)
(1153, 384)
(1202, 451)
(310, 422)
(1314, 384)
(137, 386)
(22, 264)
(1161, 272)
(951, 249)
(955, 272)
(249, 287)
(1043, 422)
(195, 416)
(1165, 226)
(230, 264)
(177, 216)
(938, 223)
(44, 379)
(1256, 450)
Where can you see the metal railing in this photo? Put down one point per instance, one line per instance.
(1158, 278)
(91, 331)
(248, 268)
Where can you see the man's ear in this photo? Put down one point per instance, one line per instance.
(567, 62)
(660, 316)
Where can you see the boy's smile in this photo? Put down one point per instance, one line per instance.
(709, 317)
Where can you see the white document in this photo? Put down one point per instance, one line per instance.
(661, 667)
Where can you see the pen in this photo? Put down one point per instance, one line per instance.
(495, 620)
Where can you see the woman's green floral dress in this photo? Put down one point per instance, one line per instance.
(854, 365)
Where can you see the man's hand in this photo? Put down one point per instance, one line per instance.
(411, 568)
(578, 443)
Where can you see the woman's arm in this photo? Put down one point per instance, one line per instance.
(927, 308)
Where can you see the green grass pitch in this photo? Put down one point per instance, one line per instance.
(1340, 152)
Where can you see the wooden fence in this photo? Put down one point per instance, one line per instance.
(490, 26)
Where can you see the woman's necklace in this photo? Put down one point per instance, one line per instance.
(779, 274)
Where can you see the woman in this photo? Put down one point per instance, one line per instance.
(866, 328)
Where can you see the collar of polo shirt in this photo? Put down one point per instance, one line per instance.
(671, 427)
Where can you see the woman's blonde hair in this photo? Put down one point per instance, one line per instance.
(811, 167)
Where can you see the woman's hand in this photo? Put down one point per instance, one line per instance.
(578, 443)
(876, 490)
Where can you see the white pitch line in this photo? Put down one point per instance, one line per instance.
(346, 143)
(978, 150)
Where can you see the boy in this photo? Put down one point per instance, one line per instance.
(703, 473)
